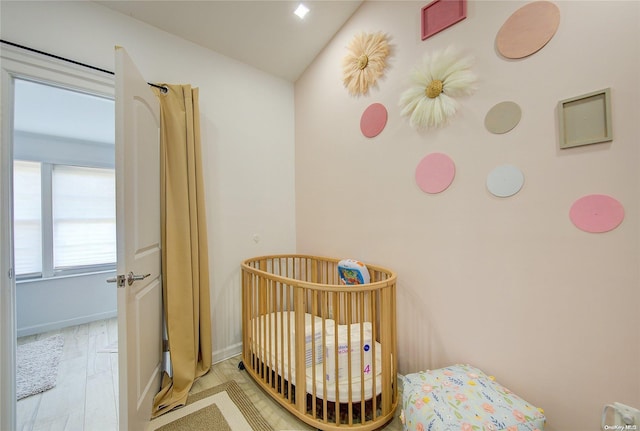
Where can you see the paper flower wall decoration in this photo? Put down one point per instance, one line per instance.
(443, 76)
(364, 62)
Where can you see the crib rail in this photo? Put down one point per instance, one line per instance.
(324, 351)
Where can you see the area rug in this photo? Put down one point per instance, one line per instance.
(221, 408)
(37, 365)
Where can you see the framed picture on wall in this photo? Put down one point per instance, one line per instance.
(585, 119)
(440, 14)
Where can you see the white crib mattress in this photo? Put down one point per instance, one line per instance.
(277, 357)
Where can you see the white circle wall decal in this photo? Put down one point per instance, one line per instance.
(435, 173)
(503, 117)
(505, 181)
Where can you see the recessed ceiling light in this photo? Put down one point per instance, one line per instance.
(301, 11)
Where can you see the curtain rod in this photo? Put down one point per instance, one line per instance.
(164, 89)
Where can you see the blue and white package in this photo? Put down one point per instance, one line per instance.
(353, 271)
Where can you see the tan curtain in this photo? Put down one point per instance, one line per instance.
(185, 266)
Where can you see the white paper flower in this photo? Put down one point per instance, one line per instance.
(443, 76)
(365, 62)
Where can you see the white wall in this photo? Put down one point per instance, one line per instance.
(509, 285)
(50, 304)
(247, 124)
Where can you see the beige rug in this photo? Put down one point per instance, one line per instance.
(222, 408)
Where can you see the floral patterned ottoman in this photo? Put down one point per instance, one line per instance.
(463, 398)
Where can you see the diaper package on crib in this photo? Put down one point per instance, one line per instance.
(361, 357)
(352, 271)
(312, 338)
(277, 328)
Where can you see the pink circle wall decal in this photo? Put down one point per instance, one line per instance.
(596, 213)
(435, 173)
(373, 120)
(528, 29)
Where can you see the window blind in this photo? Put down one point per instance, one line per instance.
(27, 213)
(84, 216)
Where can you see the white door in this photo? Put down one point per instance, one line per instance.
(139, 252)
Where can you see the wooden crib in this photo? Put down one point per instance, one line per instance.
(343, 375)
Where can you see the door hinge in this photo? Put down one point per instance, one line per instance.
(165, 345)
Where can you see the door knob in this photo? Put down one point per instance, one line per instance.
(129, 278)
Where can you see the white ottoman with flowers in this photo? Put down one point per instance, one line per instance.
(463, 398)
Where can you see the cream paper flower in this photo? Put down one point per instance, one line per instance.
(443, 76)
(364, 62)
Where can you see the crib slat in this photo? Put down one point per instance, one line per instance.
(385, 340)
(301, 375)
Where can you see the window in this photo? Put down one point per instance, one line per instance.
(64, 181)
(27, 213)
(84, 216)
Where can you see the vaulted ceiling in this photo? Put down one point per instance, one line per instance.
(265, 34)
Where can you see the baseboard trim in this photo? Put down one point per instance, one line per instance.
(227, 352)
(54, 326)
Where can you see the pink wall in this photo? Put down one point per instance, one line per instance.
(506, 284)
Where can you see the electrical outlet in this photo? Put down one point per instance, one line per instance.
(628, 415)
(620, 417)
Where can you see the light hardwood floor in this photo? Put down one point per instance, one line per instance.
(86, 395)
(278, 417)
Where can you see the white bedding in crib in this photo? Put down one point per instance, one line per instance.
(270, 343)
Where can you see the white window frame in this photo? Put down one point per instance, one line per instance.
(48, 269)
(72, 78)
